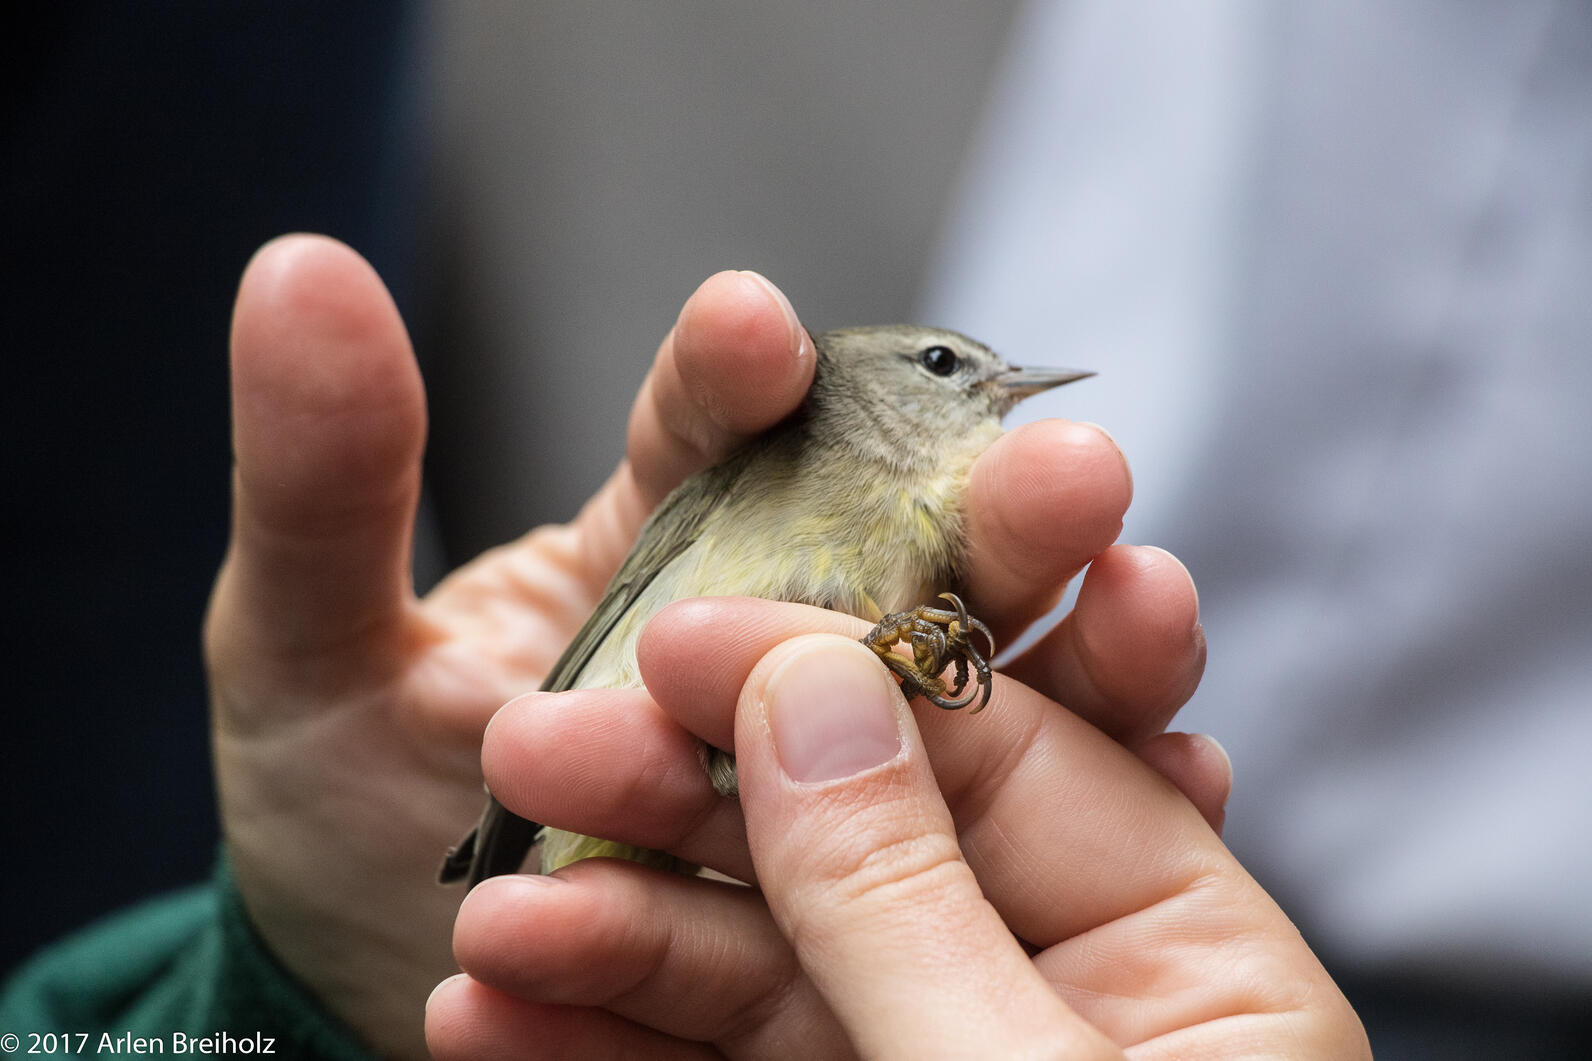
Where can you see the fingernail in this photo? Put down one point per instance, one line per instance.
(1192, 584)
(775, 293)
(1216, 746)
(798, 333)
(1127, 469)
(832, 712)
(450, 980)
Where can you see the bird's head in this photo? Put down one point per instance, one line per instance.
(904, 391)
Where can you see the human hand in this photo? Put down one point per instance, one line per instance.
(347, 714)
(1059, 897)
(622, 957)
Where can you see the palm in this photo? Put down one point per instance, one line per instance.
(505, 617)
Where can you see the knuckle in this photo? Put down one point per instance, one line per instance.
(909, 868)
(895, 861)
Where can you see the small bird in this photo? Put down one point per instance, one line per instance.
(853, 503)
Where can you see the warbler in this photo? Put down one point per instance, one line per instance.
(854, 503)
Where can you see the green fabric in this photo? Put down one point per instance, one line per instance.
(182, 967)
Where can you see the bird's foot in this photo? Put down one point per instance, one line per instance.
(720, 767)
(938, 638)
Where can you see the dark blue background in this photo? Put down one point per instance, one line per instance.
(149, 149)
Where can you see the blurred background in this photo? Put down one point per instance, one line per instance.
(1332, 264)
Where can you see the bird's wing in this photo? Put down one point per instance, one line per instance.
(670, 530)
(500, 839)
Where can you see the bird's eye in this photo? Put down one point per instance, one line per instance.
(940, 360)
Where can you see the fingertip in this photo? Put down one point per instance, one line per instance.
(735, 363)
(1069, 474)
(304, 281)
(1165, 568)
(499, 919)
(1138, 604)
(680, 650)
(1044, 499)
(1111, 442)
(510, 743)
(465, 1019)
(695, 655)
(832, 710)
(1222, 763)
(1131, 652)
(291, 243)
(444, 994)
(826, 746)
(792, 322)
(1200, 768)
(447, 1015)
(1149, 579)
(325, 388)
(672, 629)
(741, 353)
(670, 659)
(606, 762)
(1087, 447)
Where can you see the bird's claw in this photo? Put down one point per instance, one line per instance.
(939, 638)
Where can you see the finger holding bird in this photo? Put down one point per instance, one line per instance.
(1043, 501)
(629, 766)
(854, 502)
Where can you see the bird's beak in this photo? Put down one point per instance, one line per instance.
(1012, 387)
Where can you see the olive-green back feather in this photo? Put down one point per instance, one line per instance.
(500, 839)
(670, 530)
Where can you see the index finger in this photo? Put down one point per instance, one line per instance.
(736, 362)
(1042, 501)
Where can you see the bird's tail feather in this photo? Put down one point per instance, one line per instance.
(496, 845)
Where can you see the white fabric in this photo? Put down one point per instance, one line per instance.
(1334, 265)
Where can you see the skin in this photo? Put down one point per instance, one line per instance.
(883, 924)
(348, 714)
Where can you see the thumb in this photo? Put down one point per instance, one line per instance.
(857, 855)
(328, 426)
